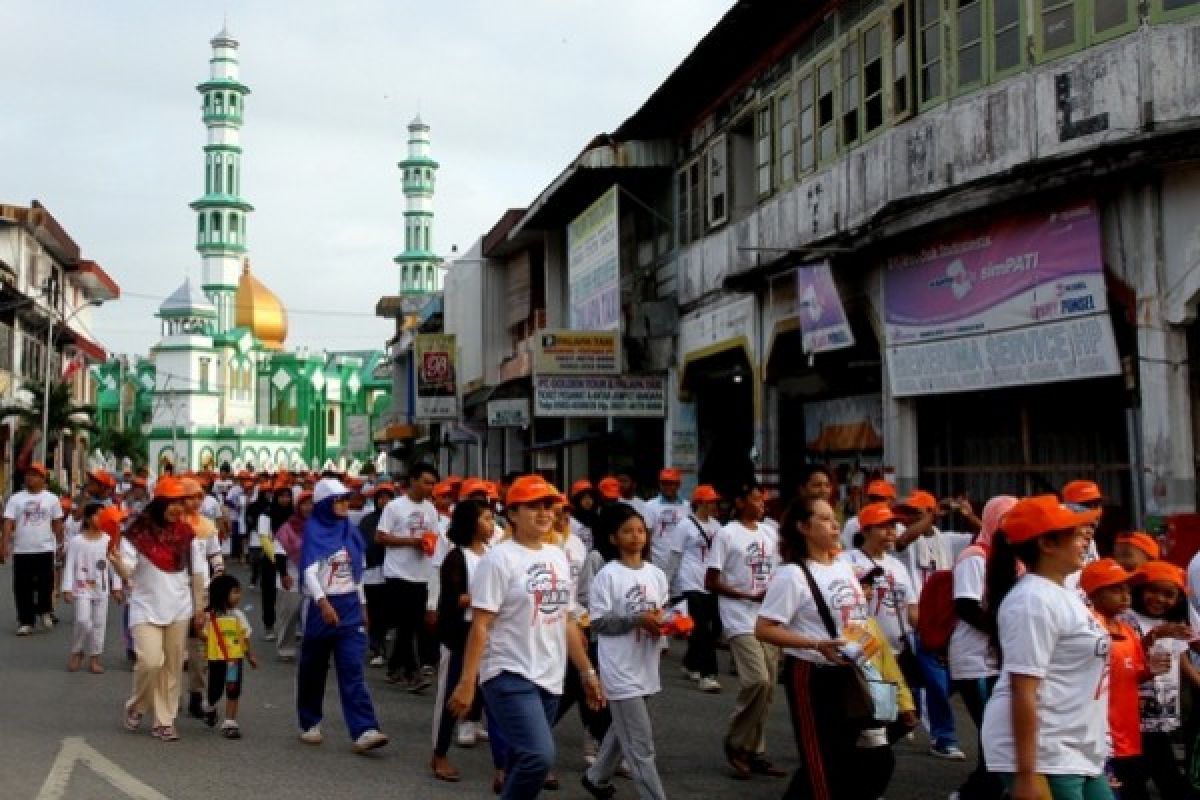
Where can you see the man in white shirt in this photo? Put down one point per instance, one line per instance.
(667, 510)
(406, 569)
(627, 486)
(33, 533)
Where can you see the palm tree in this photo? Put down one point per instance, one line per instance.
(121, 444)
(65, 416)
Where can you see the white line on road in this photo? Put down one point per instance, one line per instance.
(76, 751)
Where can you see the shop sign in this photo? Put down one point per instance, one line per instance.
(358, 433)
(600, 396)
(509, 412)
(823, 322)
(1020, 300)
(563, 352)
(720, 325)
(593, 266)
(434, 364)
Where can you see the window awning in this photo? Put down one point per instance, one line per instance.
(90, 349)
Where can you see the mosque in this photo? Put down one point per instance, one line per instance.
(221, 386)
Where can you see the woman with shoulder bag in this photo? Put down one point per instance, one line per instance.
(816, 611)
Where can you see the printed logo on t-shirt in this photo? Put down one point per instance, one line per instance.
(760, 564)
(33, 513)
(415, 523)
(667, 518)
(848, 601)
(549, 591)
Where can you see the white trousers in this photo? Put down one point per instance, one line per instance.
(91, 620)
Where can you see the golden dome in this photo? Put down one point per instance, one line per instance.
(257, 308)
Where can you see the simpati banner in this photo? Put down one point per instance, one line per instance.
(822, 319)
(599, 396)
(593, 271)
(434, 357)
(560, 352)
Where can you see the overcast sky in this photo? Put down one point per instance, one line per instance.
(100, 121)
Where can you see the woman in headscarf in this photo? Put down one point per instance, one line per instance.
(288, 543)
(165, 563)
(974, 667)
(331, 566)
(272, 519)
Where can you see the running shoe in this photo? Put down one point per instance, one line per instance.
(370, 740)
(48, 621)
(599, 792)
(466, 734)
(312, 735)
(378, 661)
(710, 684)
(25, 630)
(691, 675)
(949, 752)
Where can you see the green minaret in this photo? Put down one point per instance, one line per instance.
(420, 268)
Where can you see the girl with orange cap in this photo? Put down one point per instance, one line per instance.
(1044, 729)
(89, 582)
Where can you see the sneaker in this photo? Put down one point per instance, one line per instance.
(689, 674)
(230, 729)
(710, 684)
(599, 792)
(378, 661)
(428, 672)
(270, 636)
(466, 734)
(25, 630)
(287, 654)
(370, 740)
(591, 749)
(949, 752)
(48, 621)
(312, 735)
(481, 734)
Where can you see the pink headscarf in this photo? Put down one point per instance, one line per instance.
(993, 514)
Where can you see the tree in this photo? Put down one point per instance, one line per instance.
(65, 416)
(129, 443)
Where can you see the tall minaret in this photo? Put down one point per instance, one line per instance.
(221, 212)
(420, 270)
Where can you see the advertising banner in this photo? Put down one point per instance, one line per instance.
(434, 364)
(562, 352)
(844, 424)
(593, 271)
(510, 412)
(599, 396)
(358, 433)
(822, 319)
(1020, 300)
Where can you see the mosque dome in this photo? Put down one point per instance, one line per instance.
(258, 309)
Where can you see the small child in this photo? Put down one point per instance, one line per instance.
(89, 580)
(228, 636)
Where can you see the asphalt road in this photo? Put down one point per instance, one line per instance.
(61, 737)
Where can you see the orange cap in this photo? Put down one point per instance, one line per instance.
(1032, 517)
(493, 491)
(454, 481)
(101, 477)
(1081, 492)
(581, 485)
(305, 495)
(65, 503)
(878, 488)
(1102, 573)
(110, 518)
(669, 475)
(1162, 572)
(472, 486)
(139, 481)
(386, 486)
(530, 489)
(1142, 541)
(705, 493)
(875, 514)
(192, 487)
(37, 467)
(443, 489)
(170, 488)
(609, 488)
(921, 500)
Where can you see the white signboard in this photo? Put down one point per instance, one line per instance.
(1046, 353)
(509, 412)
(593, 270)
(600, 396)
(358, 432)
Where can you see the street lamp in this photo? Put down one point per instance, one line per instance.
(43, 444)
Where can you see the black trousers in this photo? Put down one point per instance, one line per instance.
(224, 679)
(33, 585)
(406, 613)
(377, 616)
(596, 723)
(701, 655)
(1156, 763)
(267, 588)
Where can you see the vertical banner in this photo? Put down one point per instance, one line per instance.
(823, 320)
(437, 396)
(593, 271)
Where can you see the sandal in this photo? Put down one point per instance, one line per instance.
(167, 733)
(551, 783)
(738, 761)
(449, 775)
(231, 731)
(133, 719)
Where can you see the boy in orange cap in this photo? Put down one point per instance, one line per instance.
(1132, 550)
(663, 514)
(878, 491)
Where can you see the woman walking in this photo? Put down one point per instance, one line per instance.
(269, 522)
(289, 544)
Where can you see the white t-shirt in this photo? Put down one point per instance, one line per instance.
(583, 532)
(211, 508)
(893, 594)
(851, 527)
(158, 597)
(403, 517)
(746, 560)
(71, 527)
(1159, 696)
(789, 601)
(629, 661)
(86, 571)
(33, 516)
(530, 593)
(332, 575)
(1046, 632)
(471, 559)
(667, 515)
(1193, 593)
(970, 653)
(576, 554)
(693, 543)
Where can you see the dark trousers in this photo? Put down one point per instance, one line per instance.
(346, 643)
(33, 585)
(701, 655)
(255, 558)
(596, 723)
(406, 613)
(980, 784)
(267, 587)
(224, 678)
(377, 622)
(1157, 762)
(445, 729)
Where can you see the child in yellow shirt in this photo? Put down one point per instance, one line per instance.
(227, 636)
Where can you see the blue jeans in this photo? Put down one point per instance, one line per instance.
(937, 699)
(524, 713)
(347, 644)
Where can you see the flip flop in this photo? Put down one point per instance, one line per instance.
(133, 719)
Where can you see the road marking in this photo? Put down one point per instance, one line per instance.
(76, 751)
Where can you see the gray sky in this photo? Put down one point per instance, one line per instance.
(101, 123)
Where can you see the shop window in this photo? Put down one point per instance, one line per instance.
(808, 122)
(785, 122)
(968, 44)
(1164, 10)
(762, 149)
(851, 97)
(872, 82)
(1008, 37)
(929, 52)
(826, 129)
(717, 172)
(901, 44)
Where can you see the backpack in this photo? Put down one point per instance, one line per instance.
(935, 612)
